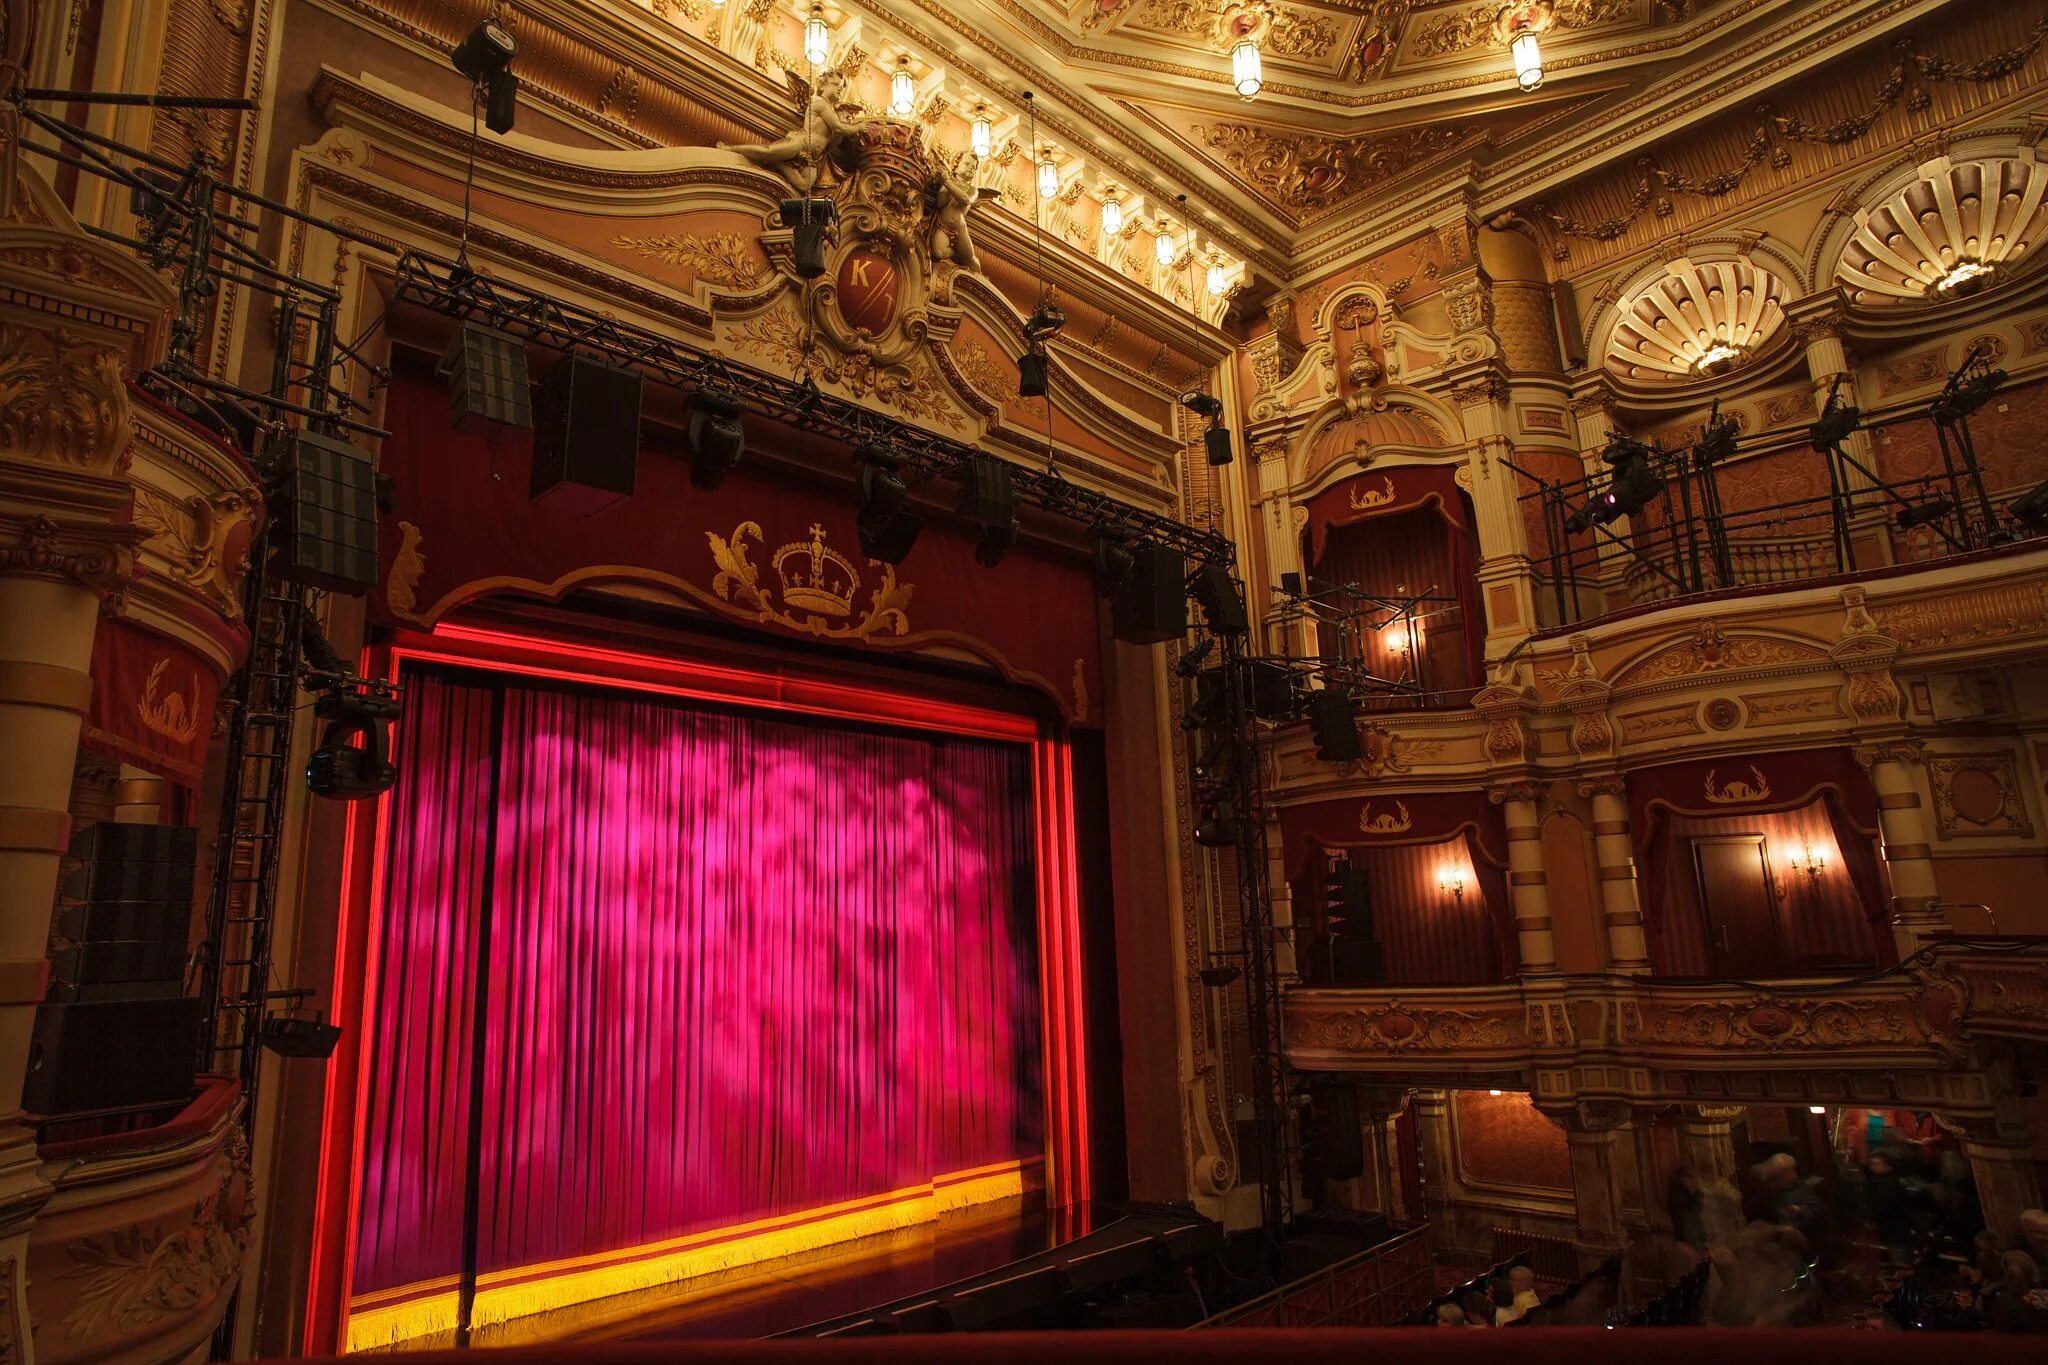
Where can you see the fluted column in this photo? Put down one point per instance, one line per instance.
(1908, 846)
(1621, 908)
(2007, 1181)
(1528, 890)
(1592, 1131)
(1706, 1140)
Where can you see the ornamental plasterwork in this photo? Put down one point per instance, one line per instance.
(724, 258)
(1697, 319)
(1988, 612)
(1468, 28)
(62, 399)
(815, 587)
(1305, 172)
(1710, 650)
(1950, 230)
(1978, 796)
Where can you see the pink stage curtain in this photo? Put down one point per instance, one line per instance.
(415, 1142)
(739, 967)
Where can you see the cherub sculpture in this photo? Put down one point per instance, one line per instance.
(957, 193)
(826, 134)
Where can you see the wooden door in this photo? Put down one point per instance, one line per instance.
(1739, 904)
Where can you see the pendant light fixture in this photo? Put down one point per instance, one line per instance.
(902, 90)
(1521, 26)
(1163, 248)
(1246, 71)
(817, 38)
(1528, 54)
(1048, 175)
(980, 135)
(1217, 280)
(1112, 215)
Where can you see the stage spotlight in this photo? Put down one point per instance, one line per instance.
(1202, 404)
(342, 770)
(489, 47)
(485, 56)
(889, 541)
(882, 490)
(812, 219)
(1923, 514)
(1216, 826)
(291, 1035)
(1216, 978)
(1583, 520)
(1112, 556)
(1192, 661)
(994, 543)
(2030, 509)
(1044, 324)
(715, 435)
(1215, 590)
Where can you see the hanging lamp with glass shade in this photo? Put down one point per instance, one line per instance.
(1112, 217)
(1163, 248)
(902, 90)
(1218, 280)
(817, 38)
(1247, 73)
(1528, 54)
(1048, 175)
(980, 135)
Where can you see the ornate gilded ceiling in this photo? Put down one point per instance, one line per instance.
(1363, 100)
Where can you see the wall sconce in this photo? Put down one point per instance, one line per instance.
(1810, 863)
(1452, 884)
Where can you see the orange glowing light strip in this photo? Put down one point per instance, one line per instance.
(1067, 1173)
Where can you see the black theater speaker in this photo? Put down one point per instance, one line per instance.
(112, 1054)
(1272, 690)
(488, 385)
(1340, 1132)
(586, 437)
(1221, 600)
(1150, 605)
(326, 516)
(124, 914)
(1333, 726)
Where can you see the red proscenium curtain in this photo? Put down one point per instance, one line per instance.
(739, 967)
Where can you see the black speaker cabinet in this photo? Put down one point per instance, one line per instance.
(1333, 726)
(1150, 605)
(1342, 1131)
(112, 1054)
(326, 516)
(488, 386)
(586, 438)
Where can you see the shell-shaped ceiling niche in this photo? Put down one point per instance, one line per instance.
(1699, 318)
(1947, 232)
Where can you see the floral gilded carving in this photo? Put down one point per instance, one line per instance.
(1397, 1029)
(1988, 613)
(1779, 1024)
(726, 258)
(62, 399)
(1305, 172)
(816, 584)
(1711, 650)
(204, 539)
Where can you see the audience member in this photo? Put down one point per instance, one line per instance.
(1522, 1283)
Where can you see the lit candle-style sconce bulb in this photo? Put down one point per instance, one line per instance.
(1809, 862)
(1048, 175)
(902, 90)
(1495, 1093)
(1528, 54)
(1452, 884)
(1112, 217)
(817, 38)
(980, 134)
(1163, 246)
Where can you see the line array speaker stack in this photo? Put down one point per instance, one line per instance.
(586, 438)
(488, 384)
(327, 516)
(1150, 605)
(115, 1030)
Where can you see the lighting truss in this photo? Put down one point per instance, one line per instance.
(437, 286)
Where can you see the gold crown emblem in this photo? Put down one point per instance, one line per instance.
(815, 578)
